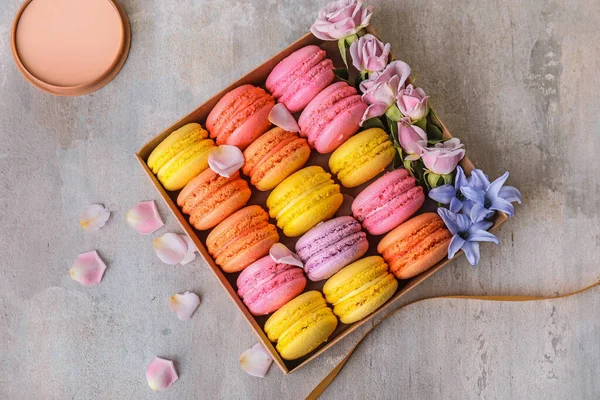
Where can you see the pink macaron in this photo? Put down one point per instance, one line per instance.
(299, 77)
(387, 202)
(265, 286)
(332, 117)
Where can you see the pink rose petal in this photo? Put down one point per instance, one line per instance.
(170, 248)
(191, 250)
(282, 117)
(184, 304)
(225, 160)
(256, 361)
(346, 207)
(88, 269)
(144, 218)
(160, 374)
(94, 217)
(282, 255)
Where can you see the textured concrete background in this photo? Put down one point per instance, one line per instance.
(517, 81)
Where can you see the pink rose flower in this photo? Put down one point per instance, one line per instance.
(443, 157)
(411, 139)
(413, 103)
(380, 93)
(340, 19)
(369, 54)
(399, 68)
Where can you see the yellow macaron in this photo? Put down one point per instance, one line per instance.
(362, 157)
(301, 325)
(360, 288)
(304, 199)
(181, 156)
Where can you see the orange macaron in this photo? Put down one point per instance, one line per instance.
(242, 238)
(210, 198)
(273, 157)
(416, 245)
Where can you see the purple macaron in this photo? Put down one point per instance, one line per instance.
(330, 246)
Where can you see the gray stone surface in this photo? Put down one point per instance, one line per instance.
(517, 81)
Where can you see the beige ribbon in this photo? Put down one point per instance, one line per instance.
(320, 388)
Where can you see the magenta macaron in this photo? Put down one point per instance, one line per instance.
(330, 246)
(387, 202)
(299, 77)
(332, 117)
(265, 286)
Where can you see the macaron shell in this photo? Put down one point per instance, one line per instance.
(395, 212)
(228, 200)
(174, 143)
(362, 157)
(342, 256)
(257, 124)
(416, 245)
(316, 211)
(365, 303)
(342, 127)
(303, 90)
(249, 249)
(274, 299)
(250, 217)
(289, 160)
(188, 163)
(286, 316)
(201, 187)
(293, 186)
(291, 63)
(308, 333)
(354, 277)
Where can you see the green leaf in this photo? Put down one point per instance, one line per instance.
(393, 113)
(373, 123)
(350, 39)
(342, 48)
(433, 132)
(422, 123)
(341, 73)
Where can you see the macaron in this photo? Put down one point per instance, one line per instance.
(242, 238)
(241, 116)
(388, 202)
(181, 156)
(416, 245)
(209, 198)
(360, 288)
(301, 325)
(304, 199)
(332, 117)
(299, 77)
(362, 157)
(330, 246)
(273, 157)
(265, 285)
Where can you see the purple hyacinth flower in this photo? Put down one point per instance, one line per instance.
(489, 197)
(466, 234)
(452, 195)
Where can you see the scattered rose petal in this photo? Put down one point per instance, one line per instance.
(191, 250)
(144, 218)
(170, 248)
(256, 361)
(225, 160)
(88, 269)
(160, 374)
(282, 117)
(281, 254)
(184, 304)
(94, 217)
(346, 207)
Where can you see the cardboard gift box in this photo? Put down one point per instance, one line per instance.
(258, 77)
